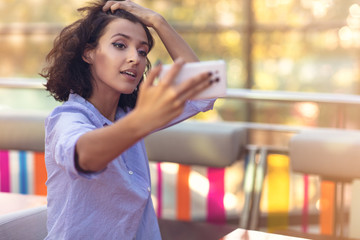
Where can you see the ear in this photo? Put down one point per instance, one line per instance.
(88, 55)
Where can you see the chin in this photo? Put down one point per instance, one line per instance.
(127, 91)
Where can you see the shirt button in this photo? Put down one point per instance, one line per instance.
(149, 190)
(131, 172)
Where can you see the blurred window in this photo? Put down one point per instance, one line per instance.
(287, 45)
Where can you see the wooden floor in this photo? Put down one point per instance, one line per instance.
(178, 230)
(312, 236)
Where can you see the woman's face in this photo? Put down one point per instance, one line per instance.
(118, 62)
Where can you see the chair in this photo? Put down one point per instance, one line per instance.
(198, 143)
(332, 155)
(193, 143)
(29, 224)
(22, 131)
(209, 144)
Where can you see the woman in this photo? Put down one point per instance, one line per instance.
(98, 174)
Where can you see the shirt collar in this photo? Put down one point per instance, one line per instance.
(73, 97)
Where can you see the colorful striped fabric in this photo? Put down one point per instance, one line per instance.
(278, 193)
(327, 206)
(22, 172)
(305, 210)
(193, 192)
(215, 198)
(284, 194)
(179, 192)
(183, 210)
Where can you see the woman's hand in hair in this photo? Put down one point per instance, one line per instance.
(173, 42)
(145, 15)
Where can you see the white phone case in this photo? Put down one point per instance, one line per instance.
(218, 69)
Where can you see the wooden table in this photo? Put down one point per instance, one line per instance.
(242, 234)
(12, 202)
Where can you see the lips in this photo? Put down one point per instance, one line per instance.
(130, 72)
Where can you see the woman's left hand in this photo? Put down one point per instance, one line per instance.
(147, 16)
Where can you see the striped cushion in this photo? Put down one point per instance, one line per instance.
(179, 191)
(183, 192)
(22, 172)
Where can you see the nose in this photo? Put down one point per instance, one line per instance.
(133, 56)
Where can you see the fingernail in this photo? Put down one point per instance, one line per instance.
(217, 79)
(210, 74)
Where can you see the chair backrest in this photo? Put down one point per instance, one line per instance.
(212, 144)
(332, 154)
(22, 131)
(29, 224)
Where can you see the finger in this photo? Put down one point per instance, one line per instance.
(170, 76)
(152, 75)
(108, 4)
(198, 89)
(195, 91)
(115, 5)
(190, 88)
(194, 81)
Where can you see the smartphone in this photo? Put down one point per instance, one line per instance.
(218, 69)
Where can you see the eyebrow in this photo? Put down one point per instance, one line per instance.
(128, 37)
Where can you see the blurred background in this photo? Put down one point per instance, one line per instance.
(307, 46)
(287, 45)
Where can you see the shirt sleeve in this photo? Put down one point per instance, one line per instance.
(62, 132)
(192, 108)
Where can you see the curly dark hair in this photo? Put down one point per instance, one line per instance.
(66, 71)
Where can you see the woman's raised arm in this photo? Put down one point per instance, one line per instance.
(173, 42)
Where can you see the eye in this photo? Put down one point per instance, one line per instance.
(142, 53)
(119, 45)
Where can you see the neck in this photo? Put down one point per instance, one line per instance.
(106, 106)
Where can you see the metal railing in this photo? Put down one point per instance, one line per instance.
(22, 83)
(239, 94)
(232, 93)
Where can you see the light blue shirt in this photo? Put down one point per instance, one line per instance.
(112, 204)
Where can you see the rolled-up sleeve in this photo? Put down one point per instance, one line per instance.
(202, 105)
(63, 132)
(192, 108)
